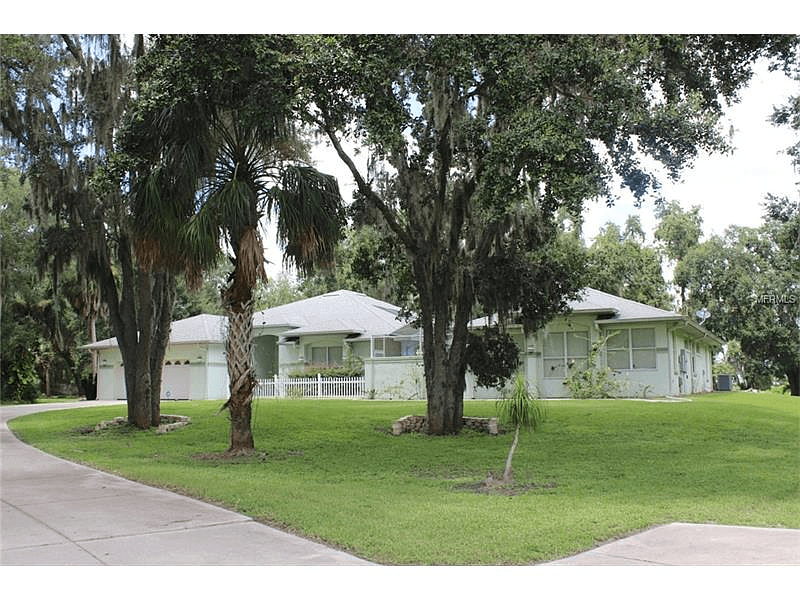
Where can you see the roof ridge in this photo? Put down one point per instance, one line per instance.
(650, 306)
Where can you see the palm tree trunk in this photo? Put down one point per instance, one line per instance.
(240, 373)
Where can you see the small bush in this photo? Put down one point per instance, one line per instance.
(353, 367)
(593, 381)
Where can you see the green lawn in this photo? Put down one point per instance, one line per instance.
(600, 469)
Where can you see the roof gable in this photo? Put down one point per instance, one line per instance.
(342, 311)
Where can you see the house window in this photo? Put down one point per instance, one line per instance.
(631, 349)
(565, 352)
(327, 355)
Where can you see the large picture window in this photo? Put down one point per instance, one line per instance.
(565, 352)
(631, 349)
(327, 355)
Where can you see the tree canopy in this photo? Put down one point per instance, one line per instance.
(620, 263)
(748, 281)
(476, 142)
(213, 160)
(63, 101)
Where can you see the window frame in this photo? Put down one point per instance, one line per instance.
(630, 350)
(327, 361)
(568, 361)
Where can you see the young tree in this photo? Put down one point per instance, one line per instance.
(519, 408)
(478, 141)
(215, 151)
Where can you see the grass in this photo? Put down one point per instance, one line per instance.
(596, 470)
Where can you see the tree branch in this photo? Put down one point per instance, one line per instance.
(366, 189)
(73, 48)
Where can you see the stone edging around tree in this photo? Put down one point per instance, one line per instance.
(416, 423)
(168, 423)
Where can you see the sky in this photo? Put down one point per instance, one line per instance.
(728, 188)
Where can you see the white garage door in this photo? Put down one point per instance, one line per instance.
(176, 380)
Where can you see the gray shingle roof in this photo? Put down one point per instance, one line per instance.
(336, 312)
(610, 309)
(342, 311)
(193, 330)
(359, 315)
(595, 301)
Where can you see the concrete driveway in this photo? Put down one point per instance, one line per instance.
(55, 512)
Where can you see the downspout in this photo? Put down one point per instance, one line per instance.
(671, 359)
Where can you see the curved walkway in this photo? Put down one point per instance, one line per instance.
(55, 512)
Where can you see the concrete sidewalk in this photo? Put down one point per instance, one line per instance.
(685, 544)
(55, 512)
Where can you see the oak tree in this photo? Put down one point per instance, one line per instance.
(476, 142)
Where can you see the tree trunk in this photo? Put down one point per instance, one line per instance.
(444, 343)
(508, 472)
(164, 290)
(138, 321)
(793, 375)
(445, 399)
(238, 346)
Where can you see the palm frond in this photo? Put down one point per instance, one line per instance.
(310, 215)
(520, 407)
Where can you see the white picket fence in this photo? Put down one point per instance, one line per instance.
(319, 387)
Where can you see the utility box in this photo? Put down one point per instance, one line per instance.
(724, 383)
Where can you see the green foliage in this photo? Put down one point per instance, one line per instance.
(41, 328)
(532, 277)
(493, 356)
(520, 407)
(20, 345)
(369, 261)
(593, 381)
(477, 142)
(215, 158)
(353, 367)
(789, 114)
(620, 264)
(279, 290)
(678, 229)
(747, 279)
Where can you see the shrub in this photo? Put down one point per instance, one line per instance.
(353, 367)
(493, 357)
(593, 381)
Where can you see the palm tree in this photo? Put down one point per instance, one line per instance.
(218, 164)
(519, 408)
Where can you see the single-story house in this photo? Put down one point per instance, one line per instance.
(299, 337)
(194, 364)
(334, 328)
(652, 352)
